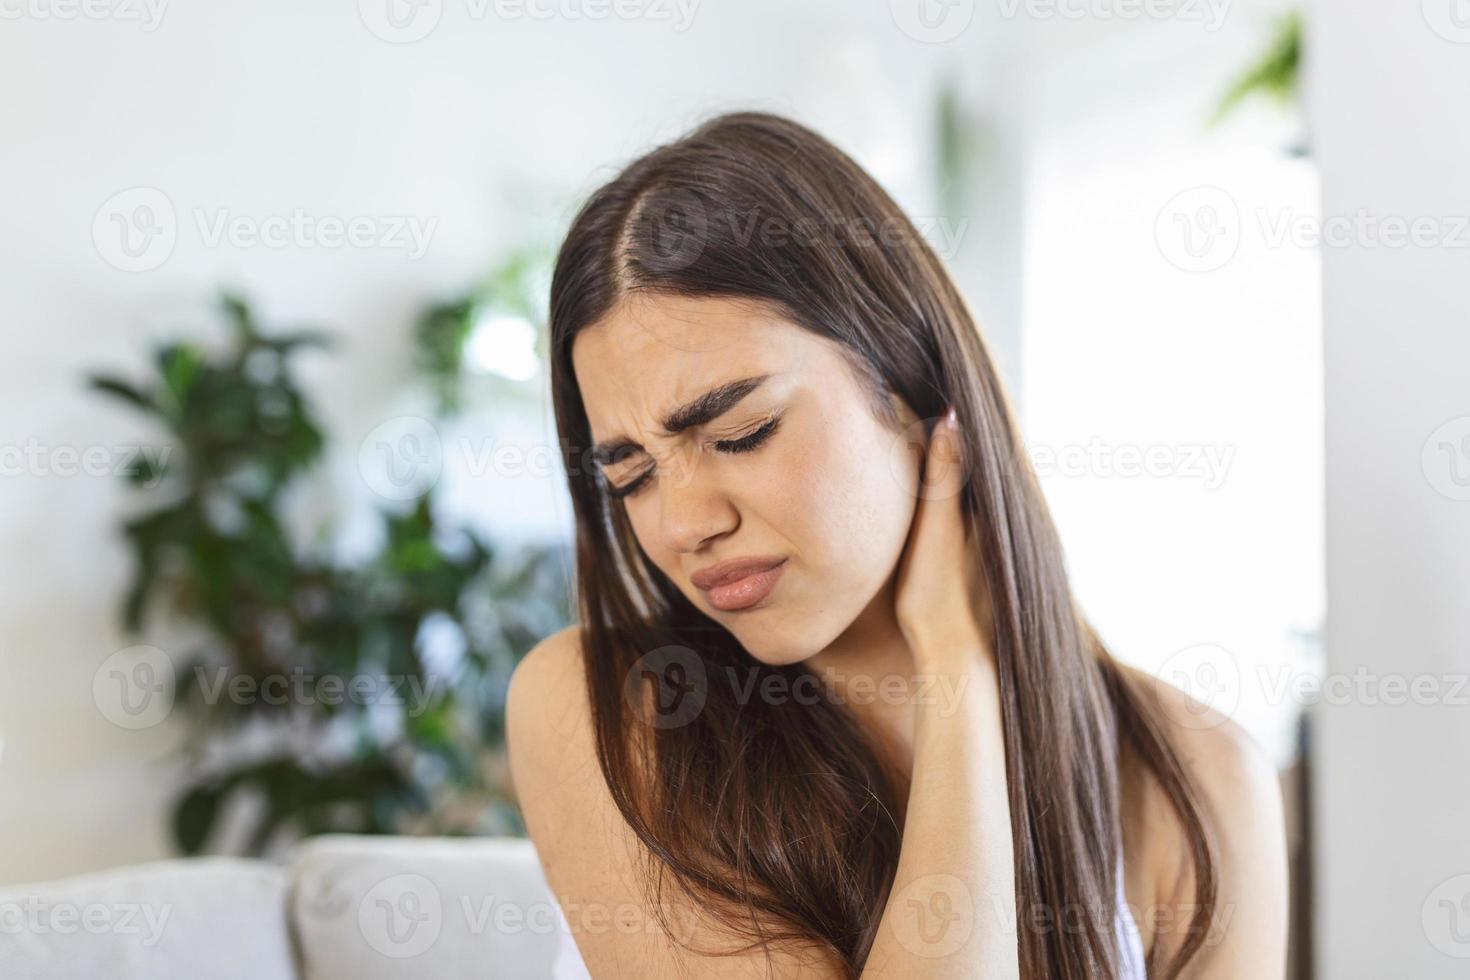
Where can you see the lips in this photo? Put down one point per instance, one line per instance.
(740, 582)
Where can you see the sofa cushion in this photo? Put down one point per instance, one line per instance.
(220, 918)
(383, 908)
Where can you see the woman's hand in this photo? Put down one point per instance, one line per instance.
(942, 602)
(958, 852)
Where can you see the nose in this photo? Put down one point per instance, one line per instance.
(694, 510)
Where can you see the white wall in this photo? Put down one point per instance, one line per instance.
(1209, 367)
(1392, 793)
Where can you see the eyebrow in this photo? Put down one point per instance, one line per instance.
(707, 407)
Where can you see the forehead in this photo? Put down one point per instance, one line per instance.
(654, 352)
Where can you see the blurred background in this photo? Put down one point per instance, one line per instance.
(282, 498)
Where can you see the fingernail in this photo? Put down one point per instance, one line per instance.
(949, 436)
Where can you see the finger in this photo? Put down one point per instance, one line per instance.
(938, 608)
(944, 472)
(938, 522)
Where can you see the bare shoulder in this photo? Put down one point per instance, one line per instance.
(549, 677)
(1240, 793)
(596, 865)
(580, 838)
(549, 727)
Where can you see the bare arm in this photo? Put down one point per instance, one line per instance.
(1241, 794)
(952, 909)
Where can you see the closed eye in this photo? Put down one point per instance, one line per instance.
(744, 444)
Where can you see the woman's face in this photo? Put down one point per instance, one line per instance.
(787, 463)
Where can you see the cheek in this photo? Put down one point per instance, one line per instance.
(846, 506)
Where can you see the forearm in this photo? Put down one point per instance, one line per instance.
(952, 909)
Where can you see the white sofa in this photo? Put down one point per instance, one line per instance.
(341, 908)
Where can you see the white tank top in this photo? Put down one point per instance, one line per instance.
(569, 965)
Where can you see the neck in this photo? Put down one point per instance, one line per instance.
(871, 669)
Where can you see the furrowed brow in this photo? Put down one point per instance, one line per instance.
(706, 408)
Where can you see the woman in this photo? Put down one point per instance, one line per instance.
(831, 710)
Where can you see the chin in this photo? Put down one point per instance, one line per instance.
(784, 639)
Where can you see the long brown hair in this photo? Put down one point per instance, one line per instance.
(779, 810)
